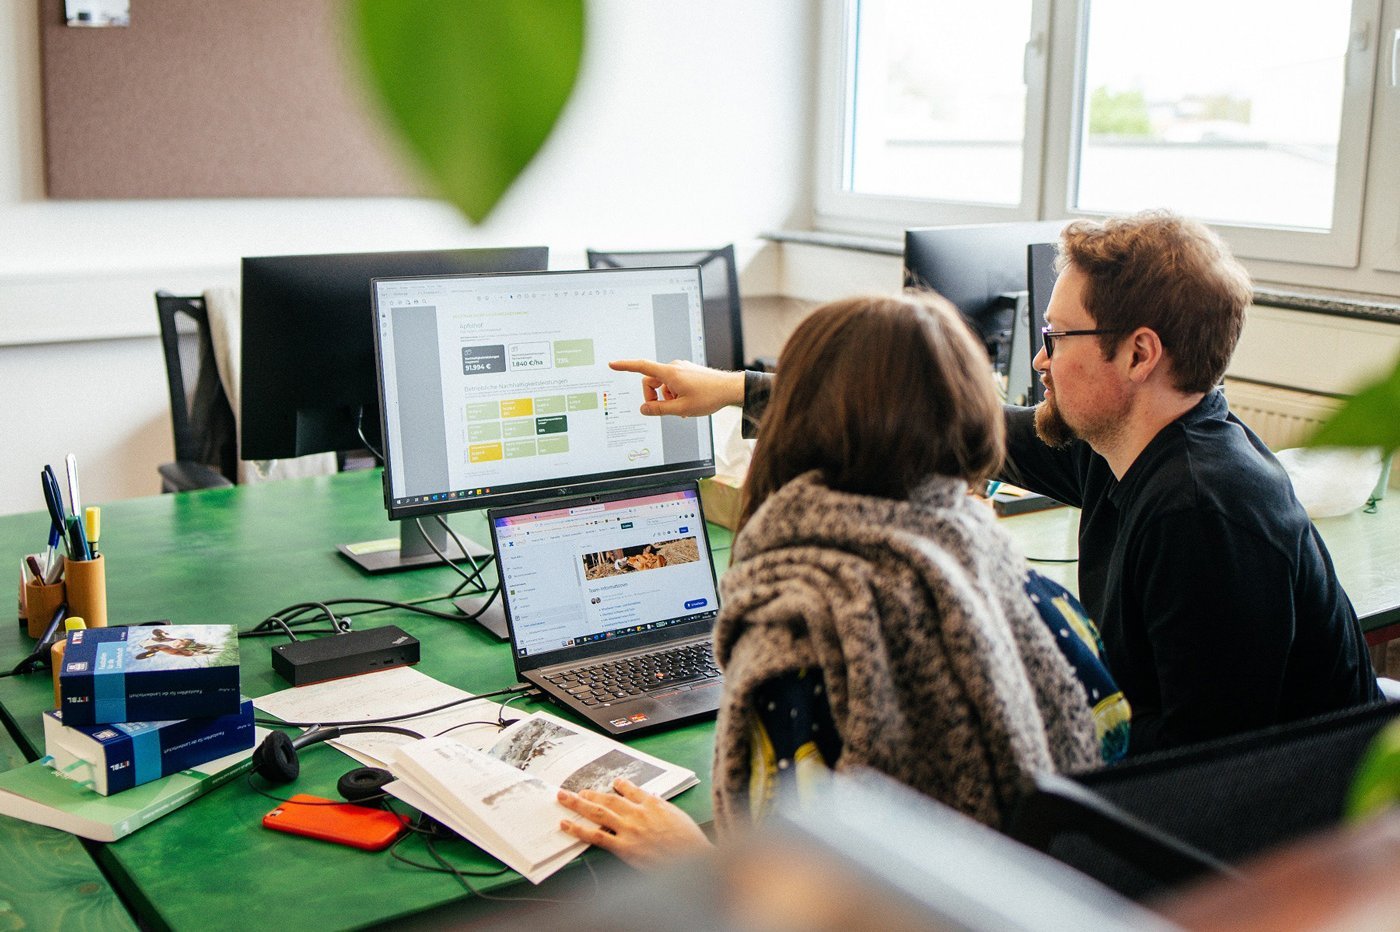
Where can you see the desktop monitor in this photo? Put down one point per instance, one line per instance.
(495, 389)
(308, 343)
(979, 269)
(1040, 279)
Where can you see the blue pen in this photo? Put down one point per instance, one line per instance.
(992, 488)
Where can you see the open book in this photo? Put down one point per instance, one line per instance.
(502, 797)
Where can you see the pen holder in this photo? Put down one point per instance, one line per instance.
(40, 602)
(87, 591)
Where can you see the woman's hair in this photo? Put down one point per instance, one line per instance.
(879, 393)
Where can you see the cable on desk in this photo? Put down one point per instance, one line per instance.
(429, 842)
(283, 620)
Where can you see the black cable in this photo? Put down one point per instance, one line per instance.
(450, 869)
(461, 876)
(398, 718)
(466, 577)
(360, 429)
(1051, 560)
(476, 570)
(301, 802)
(290, 617)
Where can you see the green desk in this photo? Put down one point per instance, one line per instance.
(1365, 549)
(232, 556)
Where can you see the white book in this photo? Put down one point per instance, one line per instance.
(501, 797)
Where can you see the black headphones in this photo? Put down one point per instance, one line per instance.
(276, 761)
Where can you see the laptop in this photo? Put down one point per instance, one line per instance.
(611, 601)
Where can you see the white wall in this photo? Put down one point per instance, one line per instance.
(690, 126)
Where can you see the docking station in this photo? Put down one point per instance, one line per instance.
(337, 655)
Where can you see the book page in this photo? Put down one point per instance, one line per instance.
(378, 695)
(575, 759)
(514, 814)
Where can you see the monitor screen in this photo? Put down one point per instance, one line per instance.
(308, 343)
(619, 566)
(495, 389)
(973, 267)
(1040, 277)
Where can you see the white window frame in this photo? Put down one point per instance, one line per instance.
(838, 209)
(1054, 77)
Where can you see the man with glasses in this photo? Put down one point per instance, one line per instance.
(1217, 601)
(1216, 598)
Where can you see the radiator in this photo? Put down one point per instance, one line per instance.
(1282, 417)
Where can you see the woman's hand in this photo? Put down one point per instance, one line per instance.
(682, 387)
(641, 829)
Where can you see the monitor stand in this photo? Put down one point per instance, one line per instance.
(493, 619)
(410, 550)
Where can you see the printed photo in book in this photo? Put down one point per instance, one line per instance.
(501, 797)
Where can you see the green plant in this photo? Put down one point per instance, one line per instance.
(473, 86)
(1370, 418)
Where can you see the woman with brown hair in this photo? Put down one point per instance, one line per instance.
(873, 614)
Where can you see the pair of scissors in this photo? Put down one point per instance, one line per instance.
(71, 528)
(53, 497)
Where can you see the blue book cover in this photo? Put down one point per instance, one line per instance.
(115, 757)
(146, 674)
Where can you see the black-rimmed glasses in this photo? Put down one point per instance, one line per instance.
(1050, 336)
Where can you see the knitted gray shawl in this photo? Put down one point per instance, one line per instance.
(938, 671)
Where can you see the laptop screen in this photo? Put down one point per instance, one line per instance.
(604, 571)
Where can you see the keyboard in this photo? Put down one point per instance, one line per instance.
(628, 677)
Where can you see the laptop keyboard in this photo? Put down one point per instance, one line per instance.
(628, 677)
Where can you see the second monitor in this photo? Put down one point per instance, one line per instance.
(495, 389)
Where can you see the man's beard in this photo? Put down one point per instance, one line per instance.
(1051, 427)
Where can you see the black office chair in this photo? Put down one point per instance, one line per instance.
(719, 284)
(206, 448)
(1151, 822)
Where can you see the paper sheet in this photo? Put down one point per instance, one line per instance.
(377, 695)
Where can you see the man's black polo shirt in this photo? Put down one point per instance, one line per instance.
(1217, 601)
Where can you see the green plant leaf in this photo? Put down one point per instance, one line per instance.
(1371, 418)
(1377, 783)
(474, 86)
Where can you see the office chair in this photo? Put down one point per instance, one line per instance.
(719, 283)
(1154, 821)
(206, 454)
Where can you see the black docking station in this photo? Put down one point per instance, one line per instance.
(329, 658)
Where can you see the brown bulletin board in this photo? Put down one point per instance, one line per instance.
(210, 98)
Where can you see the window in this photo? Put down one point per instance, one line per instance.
(1253, 115)
(934, 107)
(939, 107)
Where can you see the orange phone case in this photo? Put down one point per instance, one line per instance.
(343, 823)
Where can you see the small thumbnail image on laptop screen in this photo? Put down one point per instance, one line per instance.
(583, 573)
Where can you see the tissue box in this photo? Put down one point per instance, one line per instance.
(116, 757)
(147, 674)
(720, 496)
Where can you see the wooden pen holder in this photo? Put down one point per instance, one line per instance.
(87, 591)
(40, 602)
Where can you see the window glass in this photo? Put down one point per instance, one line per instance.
(938, 104)
(1226, 110)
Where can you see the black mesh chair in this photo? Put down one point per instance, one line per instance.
(1154, 821)
(719, 284)
(206, 453)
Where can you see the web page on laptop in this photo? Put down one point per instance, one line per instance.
(596, 572)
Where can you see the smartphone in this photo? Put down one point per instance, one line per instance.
(343, 823)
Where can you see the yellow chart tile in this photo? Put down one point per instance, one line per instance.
(517, 407)
(484, 452)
